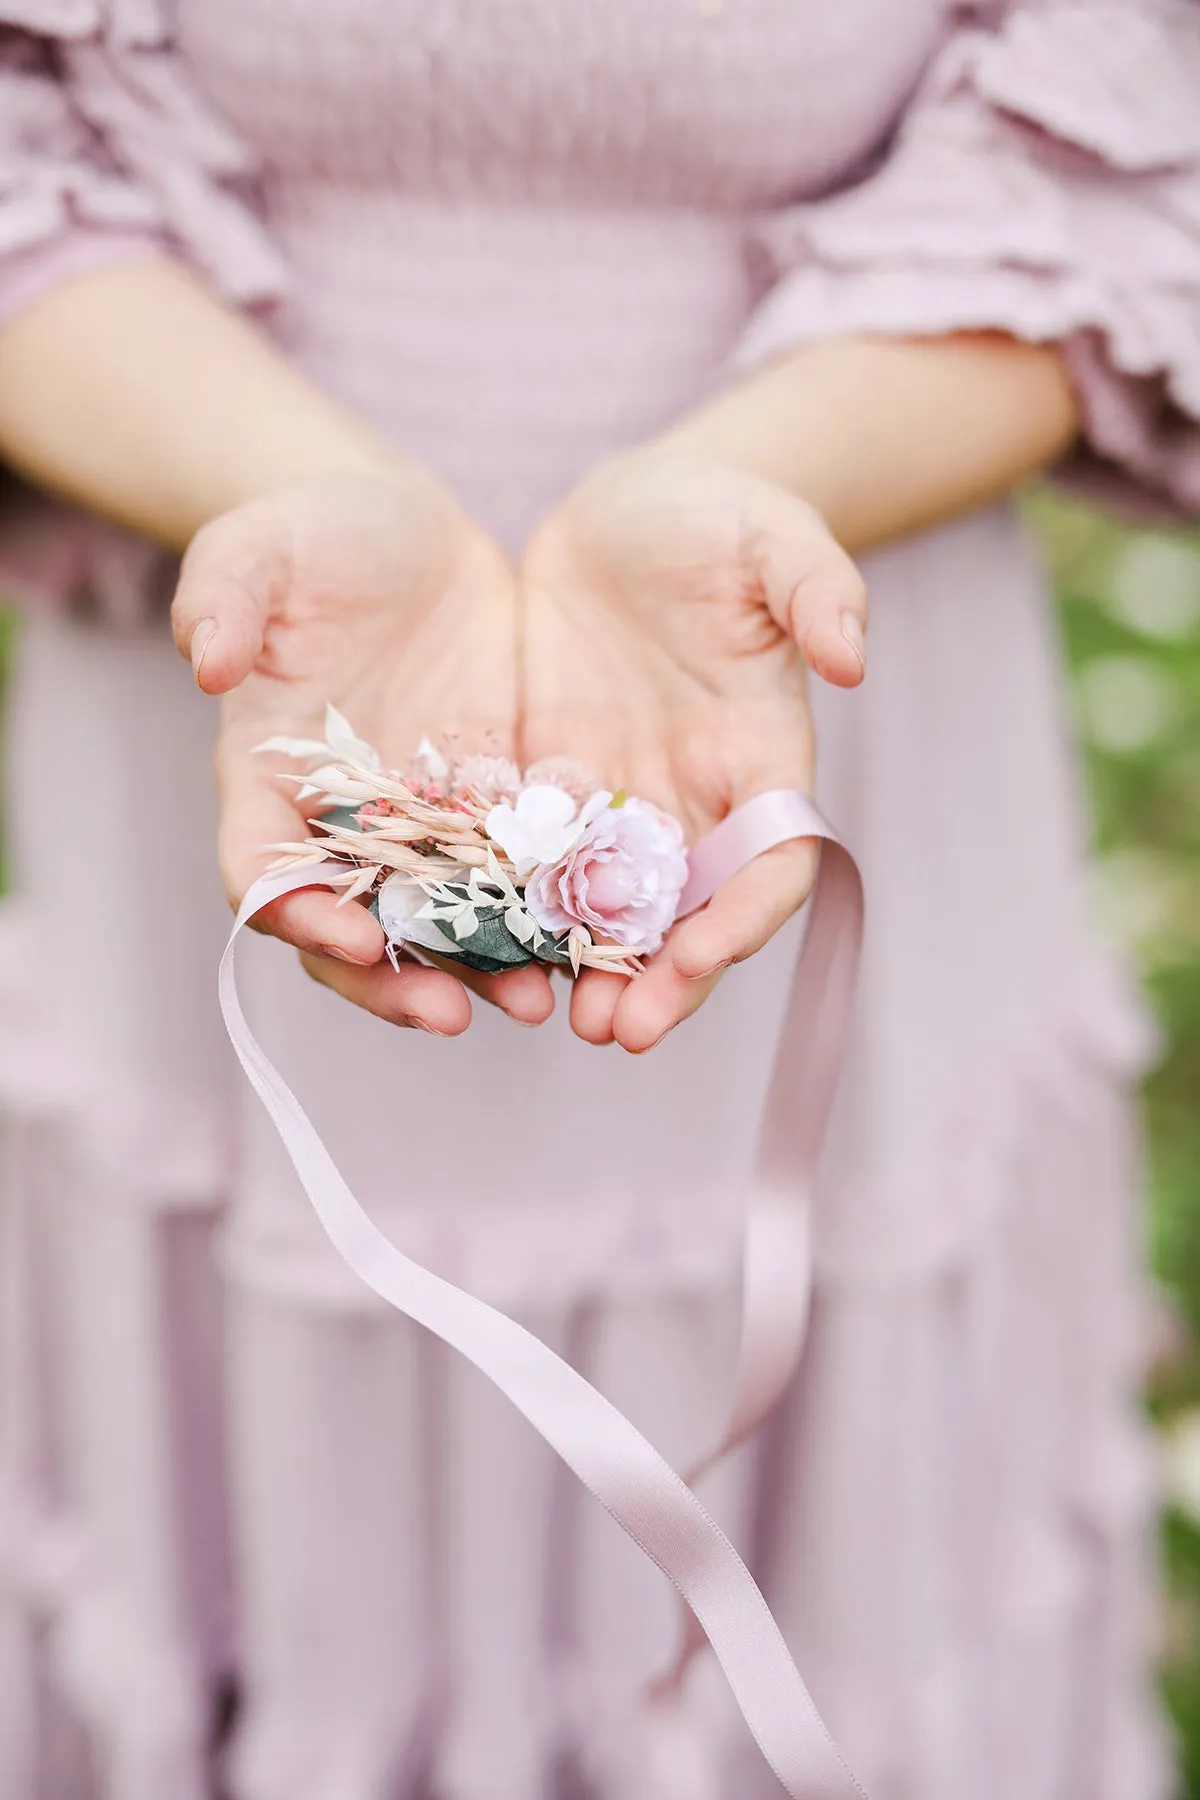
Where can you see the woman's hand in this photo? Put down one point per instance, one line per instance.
(382, 596)
(670, 608)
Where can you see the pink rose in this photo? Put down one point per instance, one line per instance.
(622, 879)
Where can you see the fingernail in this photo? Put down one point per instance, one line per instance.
(342, 956)
(420, 1025)
(852, 631)
(706, 974)
(202, 637)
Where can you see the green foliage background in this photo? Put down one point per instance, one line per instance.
(1130, 611)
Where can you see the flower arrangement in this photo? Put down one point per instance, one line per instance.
(469, 858)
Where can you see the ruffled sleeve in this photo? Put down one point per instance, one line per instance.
(107, 153)
(1044, 181)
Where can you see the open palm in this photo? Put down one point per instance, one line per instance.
(670, 611)
(382, 597)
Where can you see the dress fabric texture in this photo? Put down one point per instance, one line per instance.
(518, 238)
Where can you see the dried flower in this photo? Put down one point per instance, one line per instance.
(344, 762)
(563, 772)
(493, 778)
(464, 860)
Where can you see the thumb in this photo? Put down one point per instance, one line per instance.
(231, 579)
(815, 592)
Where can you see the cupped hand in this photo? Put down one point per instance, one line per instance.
(670, 610)
(381, 596)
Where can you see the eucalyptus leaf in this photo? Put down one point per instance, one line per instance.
(550, 952)
(491, 946)
(490, 965)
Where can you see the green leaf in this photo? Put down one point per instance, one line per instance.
(491, 947)
(550, 952)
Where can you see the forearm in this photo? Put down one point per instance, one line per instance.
(133, 391)
(887, 437)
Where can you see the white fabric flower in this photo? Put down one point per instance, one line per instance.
(404, 915)
(542, 825)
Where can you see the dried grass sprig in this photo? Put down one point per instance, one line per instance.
(427, 828)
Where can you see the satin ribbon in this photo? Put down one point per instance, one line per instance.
(777, 1250)
(640, 1489)
(777, 1233)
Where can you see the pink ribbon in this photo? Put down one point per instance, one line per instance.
(777, 1253)
(608, 1454)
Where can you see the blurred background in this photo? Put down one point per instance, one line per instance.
(1129, 602)
(1130, 609)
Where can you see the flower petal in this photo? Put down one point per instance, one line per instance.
(591, 809)
(540, 828)
(402, 913)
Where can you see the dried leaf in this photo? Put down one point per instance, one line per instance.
(520, 924)
(465, 922)
(289, 746)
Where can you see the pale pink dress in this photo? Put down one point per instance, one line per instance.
(519, 236)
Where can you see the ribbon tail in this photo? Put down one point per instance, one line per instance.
(603, 1448)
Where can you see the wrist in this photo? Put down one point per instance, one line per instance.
(692, 454)
(347, 459)
(325, 448)
(731, 434)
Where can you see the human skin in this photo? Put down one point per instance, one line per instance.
(660, 625)
(674, 605)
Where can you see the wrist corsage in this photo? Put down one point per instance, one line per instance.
(467, 857)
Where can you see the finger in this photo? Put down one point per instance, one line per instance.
(524, 994)
(828, 615)
(257, 813)
(594, 997)
(742, 916)
(231, 577)
(745, 912)
(655, 1002)
(816, 592)
(409, 995)
(312, 921)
